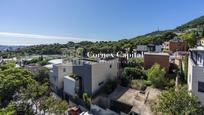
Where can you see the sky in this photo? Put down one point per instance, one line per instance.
(28, 22)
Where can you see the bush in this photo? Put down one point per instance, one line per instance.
(177, 102)
(136, 62)
(134, 73)
(171, 83)
(138, 84)
(124, 81)
(43, 62)
(87, 100)
(156, 75)
(148, 83)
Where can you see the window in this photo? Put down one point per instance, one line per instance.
(199, 58)
(110, 66)
(100, 83)
(64, 69)
(200, 86)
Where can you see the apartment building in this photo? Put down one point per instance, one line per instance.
(160, 58)
(196, 72)
(175, 45)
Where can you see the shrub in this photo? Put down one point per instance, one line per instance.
(136, 62)
(156, 75)
(138, 84)
(124, 81)
(177, 102)
(87, 100)
(134, 73)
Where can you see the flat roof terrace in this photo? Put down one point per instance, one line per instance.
(140, 102)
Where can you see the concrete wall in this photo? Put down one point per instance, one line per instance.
(84, 71)
(198, 75)
(62, 73)
(69, 85)
(102, 72)
(195, 74)
(57, 75)
(95, 75)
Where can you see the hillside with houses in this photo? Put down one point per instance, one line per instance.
(157, 73)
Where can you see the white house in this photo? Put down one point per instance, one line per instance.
(196, 72)
(91, 76)
(158, 48)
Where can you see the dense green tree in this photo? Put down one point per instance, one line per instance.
(11, 80)
(34, 92)
(136, 62)
(7, 65)
(60, 106)
(42, 75)
(156, 75)
(177, 102)
(52, 105)
(45, 104)
(9, 110)
(133, 73)
(39, 60)
(168, 36)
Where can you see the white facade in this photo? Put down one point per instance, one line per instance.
(69, 85)
(141, 47)
(57, 75)
(196, 73)
(158, 48)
